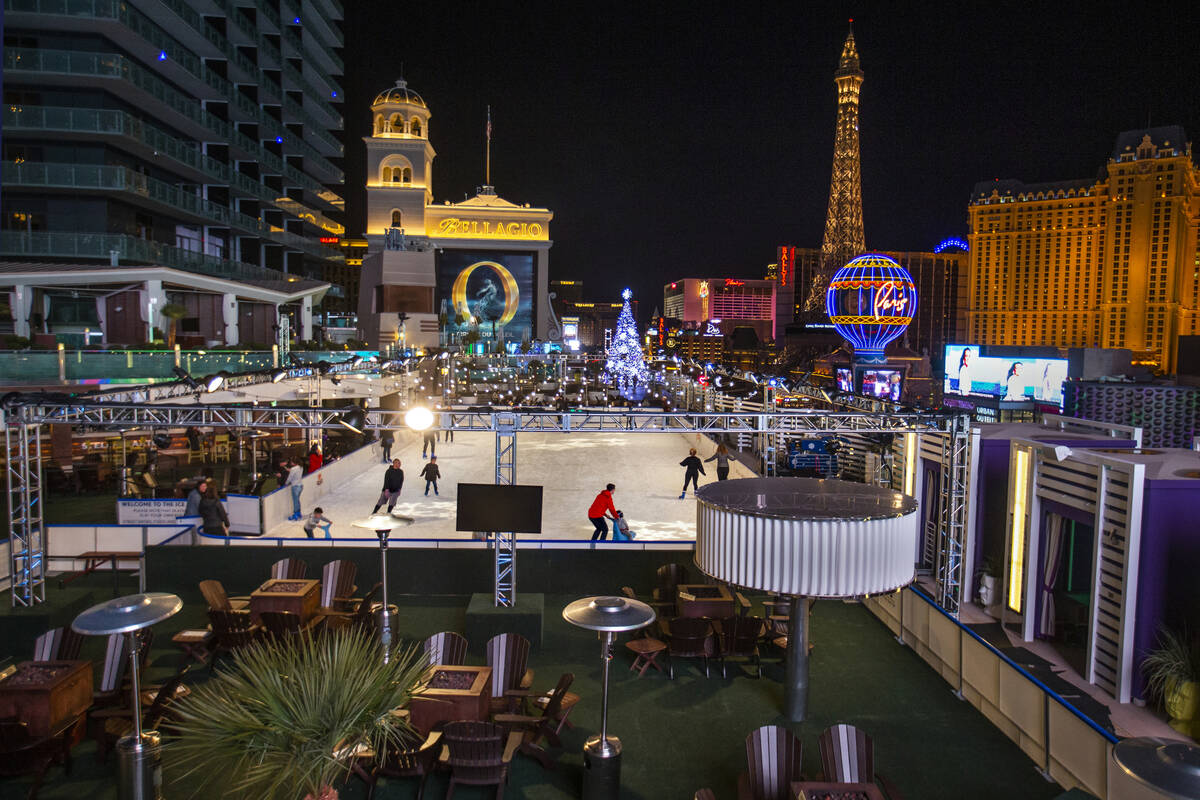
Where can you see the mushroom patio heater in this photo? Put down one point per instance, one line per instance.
(1163, 767)
(139, 755)
(383, 525)
(608, 616)
(805, 537)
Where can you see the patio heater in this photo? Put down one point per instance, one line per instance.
(1163, 767)
(608, 616)
(383, 525)
(802, 538)
(139, 755)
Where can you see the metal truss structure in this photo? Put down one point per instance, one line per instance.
(505, 547)
(23, 482)
(952, 532)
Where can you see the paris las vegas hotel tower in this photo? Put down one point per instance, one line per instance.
(476, 266)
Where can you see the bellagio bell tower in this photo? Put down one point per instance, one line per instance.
(844, 237)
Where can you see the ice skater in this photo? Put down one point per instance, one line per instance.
(722, 459)
(694, 470)
(295, 475)
(431, 473)
(318, 520)
(429, 440)
(621, 532)
(602, 508)
(385, 441)
(393, 482)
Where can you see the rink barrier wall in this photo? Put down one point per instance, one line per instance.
(450, 568)
(277, 505)
(1063, 743)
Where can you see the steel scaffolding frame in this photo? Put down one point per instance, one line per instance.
(26, 542)
(505, 542)
(952, 531)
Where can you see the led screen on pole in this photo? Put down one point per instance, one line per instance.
(492, 507)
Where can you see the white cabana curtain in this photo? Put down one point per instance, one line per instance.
(1054, 547)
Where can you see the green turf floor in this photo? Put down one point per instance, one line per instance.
(687, 733)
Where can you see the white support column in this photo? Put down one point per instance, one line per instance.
(22, 305)
(306, 318)
(153, 300)
(229, 310)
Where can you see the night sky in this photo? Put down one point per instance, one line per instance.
(680, 140)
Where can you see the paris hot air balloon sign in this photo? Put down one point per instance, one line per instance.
(870, 302)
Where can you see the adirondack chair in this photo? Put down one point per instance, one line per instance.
(112, 675)
(214, 595)
(848, 756)
(337, 586)
(106, 726)
(57, 644)
(773, 762)
(413, 758)
(23, 754)
(541, 727)
(739, 639)
(478, 754)
(687, 637)
(289, 569)
(507, 655)
(445, 648)
(282, 625)
(231, 630)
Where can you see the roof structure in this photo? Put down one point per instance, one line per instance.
(400, 93)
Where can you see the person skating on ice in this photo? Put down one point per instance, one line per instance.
(393, 482)
(295, 476)
(694, 470)
(429, 441)
(318, 520)
(385, 441)
(602, 508)
(431, 473)
(722, 459)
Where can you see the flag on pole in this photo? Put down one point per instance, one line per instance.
(489, 123)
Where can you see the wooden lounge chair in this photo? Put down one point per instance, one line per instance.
(289, 569)
(23, 754)
(662, 610)
(107, 725)
(848, 756)
(337, 586)
(687, 637)
(231, 630)
(773, 762)
(445, 648)
(478, 754)
(507, 655)
(283, 625)
(668, 577)
(214, 595)
(738, 637)
(544, 726)
(57, 644)
(412, 759)
(112, 674)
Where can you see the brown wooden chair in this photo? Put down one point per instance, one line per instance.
(738, 638)
(214, 595)
(57, 644)
(848, 756)
(662, 610)
(23, 754)
(283, 625)
(668, 578)
(773, 762)
(445, 648)
(111, 692)
(107, 725)
(413, 758)
(508, 655)
(289, 569)
(544, 726)
(337, 586)
(704, 794)
(478, 754)
(231, 630)
(688, 637)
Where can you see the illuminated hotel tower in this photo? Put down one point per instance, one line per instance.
(844, 237)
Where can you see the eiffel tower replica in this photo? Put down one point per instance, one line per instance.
(844, 221)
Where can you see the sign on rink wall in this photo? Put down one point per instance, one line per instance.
(155, 512)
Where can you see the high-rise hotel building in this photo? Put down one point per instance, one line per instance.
(198, 137)
(1108, 262)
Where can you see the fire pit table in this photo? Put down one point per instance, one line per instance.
(450, 693)
(298, 596)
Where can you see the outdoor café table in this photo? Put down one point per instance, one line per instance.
(94, 559)
(704, 600)
(821, 790)
(297, 595)
(46, 694)
(450, 693)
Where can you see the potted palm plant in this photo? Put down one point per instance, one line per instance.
(1172, 671)
(286, 719)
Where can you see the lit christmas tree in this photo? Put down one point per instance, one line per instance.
(626, 363)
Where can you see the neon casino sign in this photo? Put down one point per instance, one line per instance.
(870, 302)
(489, 229)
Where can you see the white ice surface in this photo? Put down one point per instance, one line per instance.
(572, 468)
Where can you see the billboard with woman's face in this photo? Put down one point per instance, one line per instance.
(1014, 379)
(486, 291)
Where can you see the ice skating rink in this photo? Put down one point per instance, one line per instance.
(572, 468)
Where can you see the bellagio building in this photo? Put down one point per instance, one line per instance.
(1108, 262)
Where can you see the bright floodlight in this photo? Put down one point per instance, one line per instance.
(418, 418)
(214, 382)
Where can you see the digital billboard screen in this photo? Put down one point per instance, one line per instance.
(499, 507)
(845, 380)
(482, 290)
(1007, 378)
(881, 383)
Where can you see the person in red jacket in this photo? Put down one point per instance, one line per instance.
(602, 508)
(315, 459)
